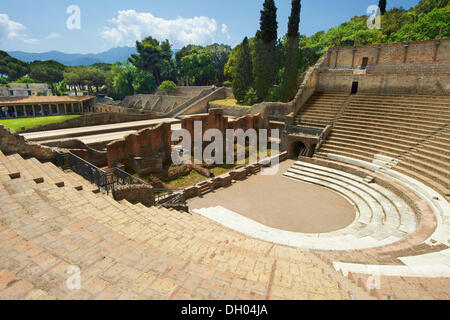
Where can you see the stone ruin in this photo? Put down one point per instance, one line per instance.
(146, 151)
(215, 119)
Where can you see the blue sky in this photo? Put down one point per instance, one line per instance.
(38, 26)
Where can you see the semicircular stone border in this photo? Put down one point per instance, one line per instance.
(382, 218)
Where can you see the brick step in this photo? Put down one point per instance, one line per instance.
(383, 117)
(365, 122)
(356, 109)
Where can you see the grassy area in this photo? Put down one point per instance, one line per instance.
(228, 103)
(28, 123)
(192, 178)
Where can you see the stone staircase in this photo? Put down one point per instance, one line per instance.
(412, 129)
(127, 251)
(320, 110)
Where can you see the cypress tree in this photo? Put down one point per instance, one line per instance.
(265, 64)
(382, 5)
(243, 77)
(268, 31)
(292, 54)
(294, 19)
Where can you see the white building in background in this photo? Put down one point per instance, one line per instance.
(24, 90)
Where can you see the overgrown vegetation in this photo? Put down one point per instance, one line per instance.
(423, 22)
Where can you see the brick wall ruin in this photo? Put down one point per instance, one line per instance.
(394, 68)
(247, 122)
(146, 151)
(215, 119)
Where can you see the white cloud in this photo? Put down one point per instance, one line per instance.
(224, 28)
(14, 30)
(8, 28)
(54, 35)
(31, 41)
(130, 26)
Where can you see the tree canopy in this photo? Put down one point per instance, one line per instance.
(13, 68)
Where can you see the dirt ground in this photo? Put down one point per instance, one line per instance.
(282, 203)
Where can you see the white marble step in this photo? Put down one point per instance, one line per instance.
(389, 215)
(393, 204)
(430, 265)
(374, 232)
(438, 204)
(387, 212)
(257, 230)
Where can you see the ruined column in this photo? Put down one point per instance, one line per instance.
(15, 111)
(34, 111)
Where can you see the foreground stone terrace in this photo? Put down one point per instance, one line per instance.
(133, 252)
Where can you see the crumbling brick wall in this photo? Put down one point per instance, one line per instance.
(247, 122)
(146, 151)
(215, 119)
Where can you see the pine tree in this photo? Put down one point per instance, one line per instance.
(265, 64)
(382, 5)
(292, 54)
(243, 77)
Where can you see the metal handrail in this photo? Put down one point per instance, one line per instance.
(108, 179)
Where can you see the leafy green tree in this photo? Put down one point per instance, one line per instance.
(382, 5)
(3, 81)
(168, 86)
(251, 97)
(229, 69)
(13, 68)
(128, 80)
(291, 55)
(144, 82)
(243, 77)
(426, 6)
(266, 58)
(153, 57)
(50, 72)
(220, 54)
(61, 88)
(394, 19)
(73, 78)
(198, 67)
(426, 28)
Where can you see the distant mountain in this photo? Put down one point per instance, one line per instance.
(77, 59)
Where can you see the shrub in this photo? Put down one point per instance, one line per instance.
(251, 97)
(274, 94)
(227, 84)
(25, 80)
(3, 81)
(168, 86)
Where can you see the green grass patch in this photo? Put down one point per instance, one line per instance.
(193, 178)
(228, 103)
(28, 123)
